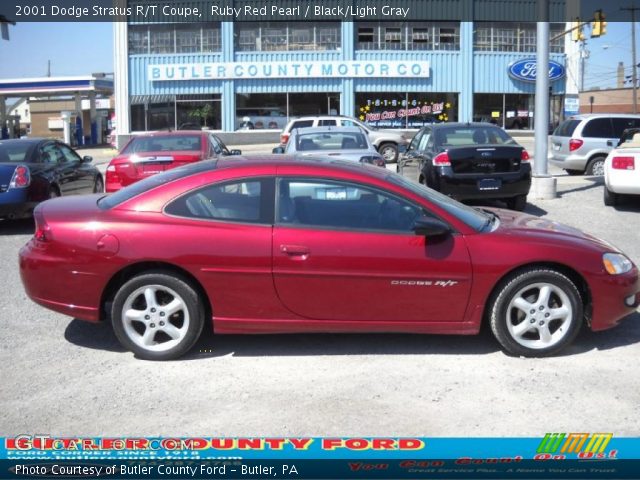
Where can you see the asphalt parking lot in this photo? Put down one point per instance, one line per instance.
(63, 376)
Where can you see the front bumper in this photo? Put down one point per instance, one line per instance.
(610, 295)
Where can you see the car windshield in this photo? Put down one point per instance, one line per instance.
(322, 141)
(168, 143)
(473, 217)
(14, 152)
(154, 181)
(471, 136)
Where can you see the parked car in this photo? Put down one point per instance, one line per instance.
(388, 142)
(280, 245)
(622, 169)
(471, 161)
(33, 170)
(345, 143)
(581, 143)
(152, 153)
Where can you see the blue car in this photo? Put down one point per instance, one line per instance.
(34, 170)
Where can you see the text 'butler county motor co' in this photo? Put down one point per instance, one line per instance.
(288, 70)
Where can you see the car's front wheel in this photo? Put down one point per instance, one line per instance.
(157, 315)
(536, 312)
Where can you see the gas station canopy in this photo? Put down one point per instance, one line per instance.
(54, 86)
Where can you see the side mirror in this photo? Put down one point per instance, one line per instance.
(278, 150)
(236, 152)
(430, 227)
(87, 159)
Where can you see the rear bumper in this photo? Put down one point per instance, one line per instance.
(623, 181)
(568, 162)
(14, 203)
(466, 186)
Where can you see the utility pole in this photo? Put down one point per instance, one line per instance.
(543, 185)
(634, 74)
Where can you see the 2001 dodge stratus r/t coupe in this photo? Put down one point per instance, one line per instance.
(272, 245)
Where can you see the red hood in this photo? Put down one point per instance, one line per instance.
(518, 223)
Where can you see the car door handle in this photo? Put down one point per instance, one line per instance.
(609, 143)
(295, 251)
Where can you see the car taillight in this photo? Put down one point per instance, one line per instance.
(284, 138)
(43, 230)
(112, 179)
(575, 144)
(21, 177)
(442, 160)
(623, 163)
(524, 157)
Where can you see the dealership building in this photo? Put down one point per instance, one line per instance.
(218, 75)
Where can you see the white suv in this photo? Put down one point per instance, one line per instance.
(387, 142)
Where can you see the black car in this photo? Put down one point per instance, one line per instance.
(34, 170)
(471, 161)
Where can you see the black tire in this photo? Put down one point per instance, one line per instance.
(517, 203)
(98, 185)
(525, 285)
(389, 152)
(53, 192)
(595, 166)
(610, 198)
(187, 323)
(573, 172)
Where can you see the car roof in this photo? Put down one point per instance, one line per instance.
(436, 126)
(587, 116)
(329, 129)
(29, 141)
(170, 133)
(307, 161)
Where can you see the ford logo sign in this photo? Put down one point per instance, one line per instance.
(525, 70)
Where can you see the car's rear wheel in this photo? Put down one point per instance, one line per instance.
(536, 312)
(517, 203)
(389, 152)
(157, 315)
(610, 198)
(596, 166)
(98, 186)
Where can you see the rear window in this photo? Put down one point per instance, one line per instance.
(154, 181)
(458, 136)
(169, 143)
(598, 128)
(566, 128)
(14, 152)
(302, 124)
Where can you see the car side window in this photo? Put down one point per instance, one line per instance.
(341, 205)
(598, 128)
(349, 123)
(302, 124)
(621, 124)
(326, 123)
(50, 154)
(415, 141)
(422, 146)
(240, 201)
(68, 154)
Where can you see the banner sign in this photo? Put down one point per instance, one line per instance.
(315, 69)
(526, 70)
(556, 455)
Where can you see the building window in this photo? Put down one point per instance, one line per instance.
(138, 39)
(170, 112)
(406, 109)
(513, 37)
(510, 111)
(282, 36)
(174, 38)
(408, 36)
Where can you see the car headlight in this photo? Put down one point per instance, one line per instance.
(616, 263)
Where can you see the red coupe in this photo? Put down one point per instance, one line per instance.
(151, 153)
(274, 245)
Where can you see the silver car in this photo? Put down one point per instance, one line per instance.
(344, 143)
(581, 143)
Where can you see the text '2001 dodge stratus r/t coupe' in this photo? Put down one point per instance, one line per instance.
(274, 245)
